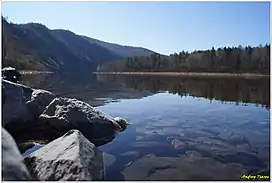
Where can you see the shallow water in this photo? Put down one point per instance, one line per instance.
(214, 123)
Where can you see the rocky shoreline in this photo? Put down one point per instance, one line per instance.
(70, 130)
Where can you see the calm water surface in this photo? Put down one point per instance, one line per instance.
(182, 128)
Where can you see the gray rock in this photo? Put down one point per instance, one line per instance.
(64, 114)
(23, 103)
(178, 144)
(31, 114)
(185, 167)
(21, 110)
(16, 97)
(11, 74)
(13, 167)
(39, 100)
(70, 157)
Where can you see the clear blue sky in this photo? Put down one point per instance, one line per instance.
(165, 27)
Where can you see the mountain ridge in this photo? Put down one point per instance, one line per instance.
(33, 46)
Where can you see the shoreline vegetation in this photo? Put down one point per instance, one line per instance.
(228, 61)
(190, 74)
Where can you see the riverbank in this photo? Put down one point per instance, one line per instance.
(190, 74)
(24, 72)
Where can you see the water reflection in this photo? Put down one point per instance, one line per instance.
(238, 90)
(198, 135)
(100, 89)
(86, 88)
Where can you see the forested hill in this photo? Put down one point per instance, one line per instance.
(233, 60)
(123, 51)
(33, 46)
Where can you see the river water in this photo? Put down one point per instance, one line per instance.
(182, 128)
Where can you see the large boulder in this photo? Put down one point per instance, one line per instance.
(39, 100)
(23, 103)
(32, 114)
(21, 108)
(64, 114)
(16, 97)
(70, 157)
(11, 74)
(13, 167)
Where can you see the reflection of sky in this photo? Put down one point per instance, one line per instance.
(165, 112)
(167, 105)
(31, 150)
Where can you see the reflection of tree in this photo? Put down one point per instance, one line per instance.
(83, 87)
(236, 90)
(34, 80)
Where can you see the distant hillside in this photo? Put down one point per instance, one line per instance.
(83, 48)
(123, 51)
(33, 46)
(14, 50)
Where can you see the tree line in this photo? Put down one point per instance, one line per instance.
(228, 59)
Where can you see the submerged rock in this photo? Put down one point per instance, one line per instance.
(178, 144)
(70, 157)
(185, 167)
(13, 167)
(11, 74)
(131, 153)
(193, 154)
(63, 114)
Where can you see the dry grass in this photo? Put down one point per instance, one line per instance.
(191, 74)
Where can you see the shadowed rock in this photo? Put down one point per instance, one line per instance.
(13, 167)
(70, 157)
(23, 103)
(16, 97)
(11, 74)
(39, 100)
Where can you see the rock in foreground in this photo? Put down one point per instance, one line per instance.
(16, 97)
(38, 101)
(11, 74)
(33, 114)
(64, 114)
(23, 103)
(13, 167)
(70, 157)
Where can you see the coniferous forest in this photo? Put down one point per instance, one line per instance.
(229, 60)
